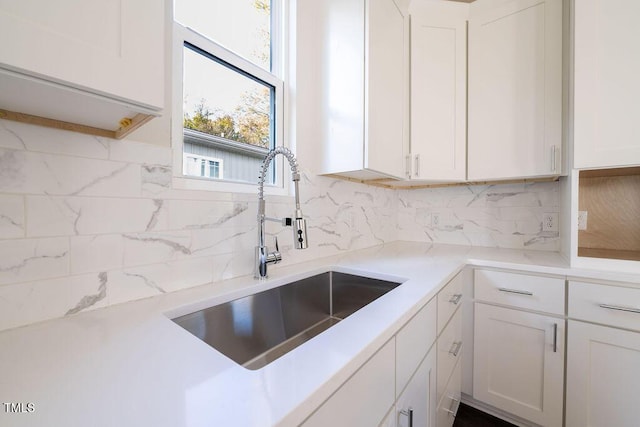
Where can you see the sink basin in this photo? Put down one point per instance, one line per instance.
(257, 329)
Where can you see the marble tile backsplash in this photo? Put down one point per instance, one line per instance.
(87, 222)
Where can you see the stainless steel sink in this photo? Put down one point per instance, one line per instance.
(257, 329)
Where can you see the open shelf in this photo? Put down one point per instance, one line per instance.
(611, 198)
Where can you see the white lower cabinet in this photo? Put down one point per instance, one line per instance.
(416, 406)
(403, 383)
(519, 363)
(603, 376)
(603, 362)
(365, 398)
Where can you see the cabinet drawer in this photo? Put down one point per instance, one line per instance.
(413, 342)
(449, 299)
(449, 351)
(610, 305)
(520, 290)
(365, 398)
(448, 406)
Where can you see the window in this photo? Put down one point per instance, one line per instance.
(205, 167)
(232, 101)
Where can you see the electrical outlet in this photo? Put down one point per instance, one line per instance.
(435, 220)
(550, 222)
(582, 220)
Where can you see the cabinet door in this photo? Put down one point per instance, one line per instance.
(365, 398)
(413, 342)
(519, 363)
(603, 372)
(606, 84)
(419, 396)
(438, 91)
(385, 79)
(515, 90)
(114, 48)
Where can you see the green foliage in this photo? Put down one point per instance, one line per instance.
(248, 124)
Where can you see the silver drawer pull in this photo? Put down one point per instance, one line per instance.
(455, 299)
(516, 291)
(451, 411)
(455, 348)
(555, 337)
(620, 308)
(409, 415)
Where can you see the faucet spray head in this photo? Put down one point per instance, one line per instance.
(300, 233)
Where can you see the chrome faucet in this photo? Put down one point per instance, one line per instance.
(299, 224)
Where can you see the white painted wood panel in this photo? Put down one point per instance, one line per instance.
(519, 363)
(450, 402)
(438, 91)
(112, 48)
(413, 342)
(515, 90)
(520, 290)
(449, 351)
(603, 367)
(420, 396)
(365, 398)
(385, 80)
(449, 299)
(606, 84)
(358, 48)
(621, 304)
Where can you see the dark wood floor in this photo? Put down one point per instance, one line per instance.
(471, 417)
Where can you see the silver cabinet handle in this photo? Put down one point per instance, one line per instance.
(555, 337)
(620, 308)
(515, 291)
(409, 414)
(553, 158)
(407, 165)
(455, 299)
(455, 348)
(451, 411)
(418, 165)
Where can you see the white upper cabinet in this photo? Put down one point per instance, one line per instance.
(88, 62)
(515, 89)
(362, 74)
(606, 84)
(438, 90)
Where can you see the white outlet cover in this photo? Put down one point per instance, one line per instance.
(550, 222)
(435, 220)
(582, 220)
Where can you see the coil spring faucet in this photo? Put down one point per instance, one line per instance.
(299, 224)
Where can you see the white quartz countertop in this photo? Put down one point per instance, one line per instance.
(130, 365)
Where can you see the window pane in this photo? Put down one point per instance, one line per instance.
(228, 115)
(242, 26)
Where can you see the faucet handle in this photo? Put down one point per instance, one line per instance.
(275, 256)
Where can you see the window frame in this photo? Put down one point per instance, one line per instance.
(182, 35)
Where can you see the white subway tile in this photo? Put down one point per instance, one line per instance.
(56, 216)
(36, 173)
(23, 260)
(152, 248)
(139, 152)
(11, 217)
(96, 253)
(54, 141)
(187, 214)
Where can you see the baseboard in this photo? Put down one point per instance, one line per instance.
(470, 401)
